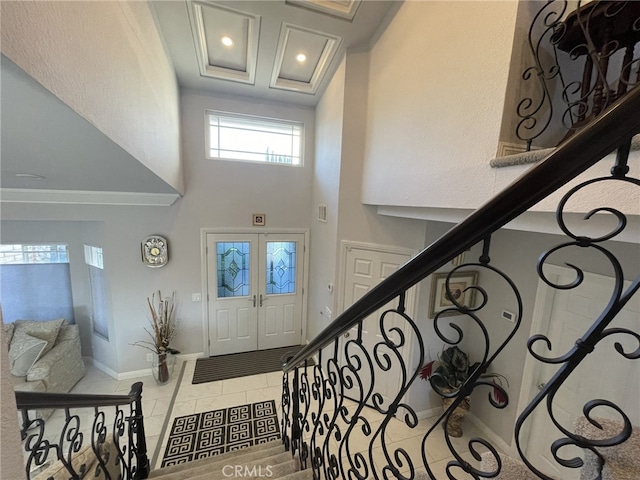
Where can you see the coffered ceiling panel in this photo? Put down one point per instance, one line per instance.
(302, 58)
(266, 36)
(338, 8)
(226, 41)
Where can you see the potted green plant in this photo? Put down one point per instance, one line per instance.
(163, 324)
(447, 374)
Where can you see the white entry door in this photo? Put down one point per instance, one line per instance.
(365, 266)
(564, 316)
(254, 291)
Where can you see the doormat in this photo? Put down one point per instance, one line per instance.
(211, 433)
(241, 364)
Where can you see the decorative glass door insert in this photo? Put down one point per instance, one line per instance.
(281, 267)
(234, 268)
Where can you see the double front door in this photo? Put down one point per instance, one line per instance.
(255, 291)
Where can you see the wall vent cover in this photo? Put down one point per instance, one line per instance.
(322, 213)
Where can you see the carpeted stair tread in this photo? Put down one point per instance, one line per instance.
(248, 455)
(256, 451)
(252, 470)
(301, 475)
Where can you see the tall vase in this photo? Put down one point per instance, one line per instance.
(454, 424)
(162, 367)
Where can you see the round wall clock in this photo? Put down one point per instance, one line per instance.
(155, 251)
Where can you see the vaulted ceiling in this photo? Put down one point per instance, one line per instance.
(68, 153)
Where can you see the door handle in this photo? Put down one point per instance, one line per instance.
(253, 299)
(263, 299)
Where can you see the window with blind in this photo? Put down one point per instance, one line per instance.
(93, 259)
(36, 282)
(254, 139)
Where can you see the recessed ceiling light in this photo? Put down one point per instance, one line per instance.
(226, 40)
(30, 175)
(301, 57)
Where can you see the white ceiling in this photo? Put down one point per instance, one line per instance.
(74, 155)
(43, 136)
(267, 35)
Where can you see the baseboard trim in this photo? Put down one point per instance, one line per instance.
(491, 435)
(145, 372)
(118, 376)
(432, 412)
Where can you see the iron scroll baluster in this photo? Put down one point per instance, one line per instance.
(581, 62)
(593, 336)
(126, 441)
(344, 441)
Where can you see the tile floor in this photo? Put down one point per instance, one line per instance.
(238, 391)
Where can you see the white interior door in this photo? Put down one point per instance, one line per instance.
(564, 316)
(364, 268)
(254, 291)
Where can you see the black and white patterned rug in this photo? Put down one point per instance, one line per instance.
(219, 431)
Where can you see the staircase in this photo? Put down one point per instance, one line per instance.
(269, 460)
(318, 428)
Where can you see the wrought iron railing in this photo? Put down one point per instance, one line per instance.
(581, 62)
(327, 407)
(100, 435)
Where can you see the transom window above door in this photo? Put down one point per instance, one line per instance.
(253, 139)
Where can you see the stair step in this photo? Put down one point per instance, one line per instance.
(220, 470)
(245, 455)
(301, 475)
(265, 468)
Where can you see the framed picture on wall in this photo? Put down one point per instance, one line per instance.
(459, 284)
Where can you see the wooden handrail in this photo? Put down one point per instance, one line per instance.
(606, 133)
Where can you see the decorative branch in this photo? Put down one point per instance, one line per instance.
(163, 324)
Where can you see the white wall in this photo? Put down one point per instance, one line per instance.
(436, 94)
(358, 222)
(341, 119)
(218, 195)
(516, 254)
(107, 62)
(326, 186)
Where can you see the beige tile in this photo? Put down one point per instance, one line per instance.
(96, 385)
(244, 384)
(220, 401)
(161, 406)
(274, 379)
(269, 393)
(153, 425)
(180, 409)
(152, 443)
(194, 392)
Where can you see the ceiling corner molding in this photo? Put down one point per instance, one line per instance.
(336, 8)
(84, 197)
(331, 43)
(247, 41)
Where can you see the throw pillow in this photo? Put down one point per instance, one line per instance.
(46, 330)
(24, 352)
(8, 332)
